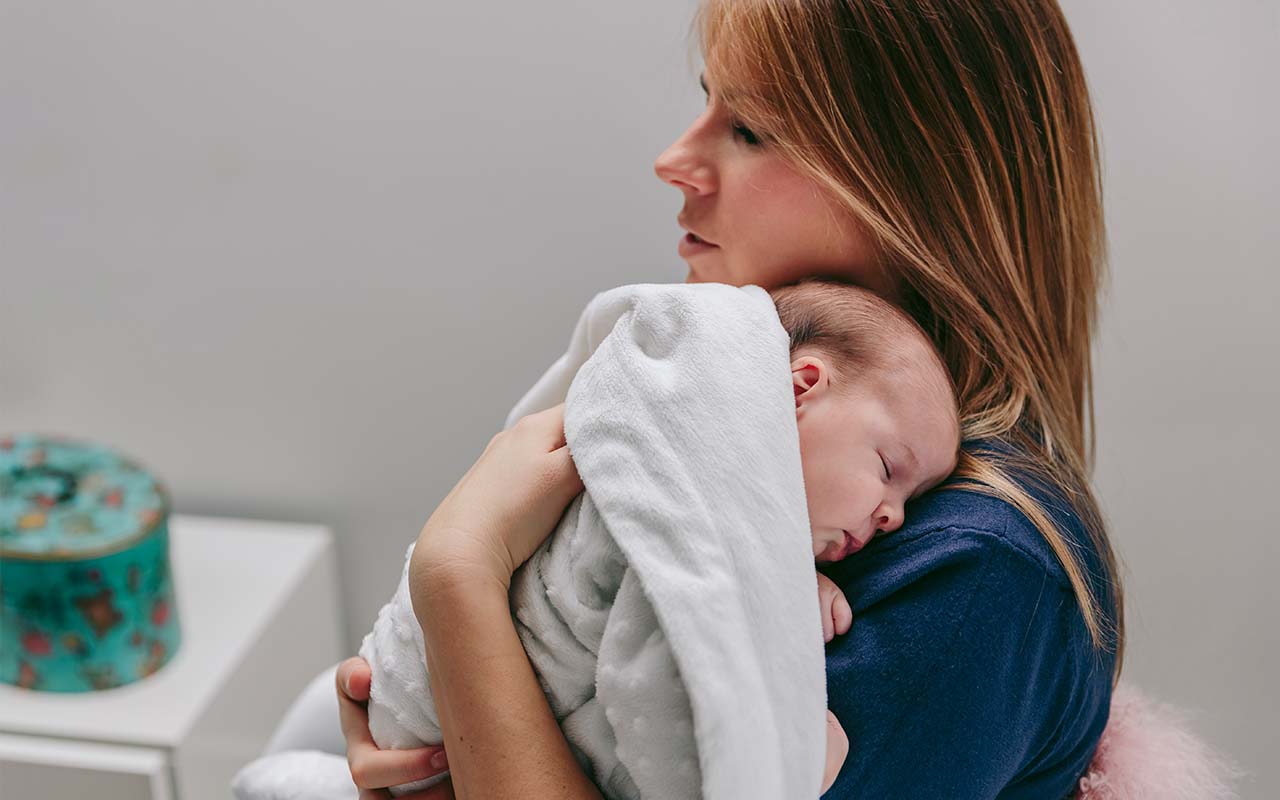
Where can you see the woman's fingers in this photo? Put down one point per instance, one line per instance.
(548, 425)
(572, 481)
(354, 676)
(552, 422)
(377, 769)
(353, 690)
(568, 479)
(372, 768)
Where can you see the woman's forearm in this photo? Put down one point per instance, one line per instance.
(499, 732)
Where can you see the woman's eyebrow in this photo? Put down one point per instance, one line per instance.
(726, 97)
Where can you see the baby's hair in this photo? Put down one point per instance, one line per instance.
(863, 334)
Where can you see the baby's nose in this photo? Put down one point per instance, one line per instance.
(888, 519)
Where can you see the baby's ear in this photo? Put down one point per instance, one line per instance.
(809, 378)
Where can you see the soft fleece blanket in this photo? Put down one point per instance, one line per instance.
(672, 615)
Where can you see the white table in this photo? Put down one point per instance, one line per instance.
(259, 610)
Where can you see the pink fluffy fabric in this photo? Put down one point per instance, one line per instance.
(1148, 752)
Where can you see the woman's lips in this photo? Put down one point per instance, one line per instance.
(691, 245)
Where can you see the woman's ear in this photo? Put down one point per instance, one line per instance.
(810, 378)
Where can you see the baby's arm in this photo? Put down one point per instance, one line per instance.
(837, 617)
(837, 751)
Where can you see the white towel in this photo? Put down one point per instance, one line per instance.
(672, 616)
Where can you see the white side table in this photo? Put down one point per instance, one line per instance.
(259, 610)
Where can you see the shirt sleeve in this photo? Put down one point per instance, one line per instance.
(952, 680)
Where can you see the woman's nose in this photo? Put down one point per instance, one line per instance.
(683, 166)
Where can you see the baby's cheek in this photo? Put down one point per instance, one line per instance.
(822, 493)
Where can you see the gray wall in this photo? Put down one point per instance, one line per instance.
(1188, 386)
(300, 258)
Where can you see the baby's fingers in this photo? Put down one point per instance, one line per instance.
(837, 751)
(841, 614)
(828, 624)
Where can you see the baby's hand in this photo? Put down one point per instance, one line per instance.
(837, 751)
(837, 617)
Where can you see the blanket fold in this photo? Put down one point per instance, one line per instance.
(713, 525)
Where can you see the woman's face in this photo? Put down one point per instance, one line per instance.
(764, 223)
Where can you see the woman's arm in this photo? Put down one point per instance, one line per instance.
(502, 739)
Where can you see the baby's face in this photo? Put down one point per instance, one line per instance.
(866, 450)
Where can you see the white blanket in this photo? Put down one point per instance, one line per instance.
(672, 616)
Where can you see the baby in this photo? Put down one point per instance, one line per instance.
(877, 424)
(875, 410)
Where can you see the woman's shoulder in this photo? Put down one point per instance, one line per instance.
(962, 539)
(947, 519)
(947, 529)
(965, 614)
(979, 563)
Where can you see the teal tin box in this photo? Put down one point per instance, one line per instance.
(86, 594)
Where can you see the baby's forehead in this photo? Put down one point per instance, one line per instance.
(909, 381)
(919, 404)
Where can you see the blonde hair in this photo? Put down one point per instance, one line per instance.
(960, 134)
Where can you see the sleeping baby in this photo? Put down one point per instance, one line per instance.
(877, 426)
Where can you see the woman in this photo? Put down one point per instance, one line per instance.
(942, 154)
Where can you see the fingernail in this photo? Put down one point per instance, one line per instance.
(439, 760)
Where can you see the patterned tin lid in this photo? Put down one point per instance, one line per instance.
(64, 500)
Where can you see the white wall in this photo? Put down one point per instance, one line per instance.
(300, 258)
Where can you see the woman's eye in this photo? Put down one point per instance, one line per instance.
(746, 134)
(888, 474)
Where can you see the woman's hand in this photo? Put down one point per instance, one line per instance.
(504, 506)
(372, 770)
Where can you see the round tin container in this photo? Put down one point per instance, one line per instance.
(86, 595)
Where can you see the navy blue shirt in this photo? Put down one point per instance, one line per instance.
(968, 672)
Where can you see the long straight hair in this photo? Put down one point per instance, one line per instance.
(960, 134)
